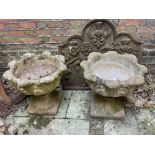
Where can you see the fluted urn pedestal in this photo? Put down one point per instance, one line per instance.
(38, 76)
(112, 77)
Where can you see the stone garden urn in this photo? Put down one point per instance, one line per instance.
(112, 77)
(39, 76)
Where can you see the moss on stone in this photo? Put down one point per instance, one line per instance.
(39, 121)
(152, 109)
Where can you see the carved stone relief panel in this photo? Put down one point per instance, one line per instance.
(97, 36)
(100, 34)
(73, 78)
(125, 43)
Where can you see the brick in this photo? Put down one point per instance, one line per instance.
(39, 32)
(60, 32)
(145, 52)
(43, 32)
(30, 33)
(152, 66)
(149, 46)
(45, 38)
(149, 50)
(153, 40)
(150, 22)
(146, 29)
(152, 71)
(7, 40)
(7, 20)
(41, 24)
(3, 64)
(58, 39)
(1, 33)
(26, 25)
(3, 53)
(2, 26)
(14, 26)
(146, 37)
(67, 23)
(71, 32)
(129, 29)
(120, 29)
(55, 24)
(12, 53)
(152, 52)
(20, 40)
(148, 60)
(85, 21)
(14, 33)
(128, 22)
(12, 20)
(11, 26)
(76, 23)
(115, 22)
(70, 23)
(30, 40)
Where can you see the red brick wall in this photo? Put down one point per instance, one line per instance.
(18, 36)
(33, 31)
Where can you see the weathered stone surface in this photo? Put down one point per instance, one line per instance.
(96, 126)
(126, 127)
(64, 104)
(69, 127)
(114, 21)
(146, 121)
(16, 125)
(46, 104)
(4, 98)
(21, 122)
(2, 127)
(62, 110)
(79, 105)
(38, 74)
(105, 107)
(109, 74)
(135, 101)
(21, 112)
(21, 125)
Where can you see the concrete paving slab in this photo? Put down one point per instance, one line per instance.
(126, 127)
(96, 126)
(28, 126)
(146, 122)
(79, 106)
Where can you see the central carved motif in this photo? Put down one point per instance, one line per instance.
(99, 33)
(97, 36)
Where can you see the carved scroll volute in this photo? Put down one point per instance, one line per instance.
(126, 43)
(73, 78)
(100, 34)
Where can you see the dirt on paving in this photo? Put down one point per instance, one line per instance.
(15, 96)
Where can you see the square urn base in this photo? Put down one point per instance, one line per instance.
(45, 104)
(107, 107)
